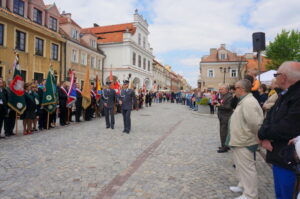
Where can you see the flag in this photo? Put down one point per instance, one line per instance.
(117, 87)
(16, 99)
(130, 84)
(144, 87)
(50, 98)
(86, 91)
(98, 88)
(72, 90)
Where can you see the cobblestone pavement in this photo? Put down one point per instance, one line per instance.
(170, 154)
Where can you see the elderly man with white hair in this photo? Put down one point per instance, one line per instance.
(281, 125)
(242, 138)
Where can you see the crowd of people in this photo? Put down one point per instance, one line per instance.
(252, 114)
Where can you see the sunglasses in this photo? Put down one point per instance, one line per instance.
(277, 74)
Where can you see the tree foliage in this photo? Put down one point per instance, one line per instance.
(285, 47)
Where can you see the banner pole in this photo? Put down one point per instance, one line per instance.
(48, 120)
(16, 123)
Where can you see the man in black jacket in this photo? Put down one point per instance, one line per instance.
(78, 103)
(282, 124)
(109, 99)
(3, 105)
(63, 98)
(224, 112)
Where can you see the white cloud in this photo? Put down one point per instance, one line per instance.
(103, 12)
(193, 62)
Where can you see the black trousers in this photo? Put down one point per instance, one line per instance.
(63, 115)
(78, 113)
(223, 129)
(9, 122)
(2, 116)
(109, 122)
(126, 120)
(43, 116)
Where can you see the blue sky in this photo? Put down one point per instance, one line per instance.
(182, 31)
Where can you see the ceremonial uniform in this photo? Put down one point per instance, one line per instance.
(78, 104)
(128, 99)
(10, 118)
(109, 98)
(63, 98)
(3, 106)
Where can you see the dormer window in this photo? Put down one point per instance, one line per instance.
(53, 23)
(74, 34)
(37, 16)
(223, 56)
(93, 43)
(19, 7)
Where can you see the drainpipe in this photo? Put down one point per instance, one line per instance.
(65, 64)
(103, 68)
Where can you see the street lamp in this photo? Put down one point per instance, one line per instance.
(224, 70)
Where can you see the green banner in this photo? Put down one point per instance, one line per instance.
(50, 94)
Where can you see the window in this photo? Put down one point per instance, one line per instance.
(93, 43)
(83, 59)
(140, 61)
(38, 76)
(148, 65)
(54, 52)
(1, 34)
(20, 40)
(144, 63)
(99, 64)
(37, 16)
(74, 56)
(233, 73)
(53, 23)
(133, 58)
(23, 75)
(210, 73)
(19, 7)
(1, 71)
(74, 34)
(144, 42)
(39, 46)
(93, 63)
(139, 38)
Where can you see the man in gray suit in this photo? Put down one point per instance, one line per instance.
(109, 99)
(224, 112)
(127, 100)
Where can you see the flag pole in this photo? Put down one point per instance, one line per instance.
(16, 123)
(48, 120)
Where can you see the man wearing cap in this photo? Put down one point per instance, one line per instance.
(109, 98)
(127, 99)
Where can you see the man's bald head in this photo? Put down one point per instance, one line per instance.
(291, 71)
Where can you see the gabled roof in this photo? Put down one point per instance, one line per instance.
(112, 33)
(65, 20)
(214, 56)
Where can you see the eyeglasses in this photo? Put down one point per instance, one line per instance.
(277, 74)
(237, 87)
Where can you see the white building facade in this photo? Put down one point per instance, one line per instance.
(127, 51)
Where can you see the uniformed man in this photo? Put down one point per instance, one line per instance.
(127, 100)
(78, 103)
(109, 99)
(63, 98)
(3, 105)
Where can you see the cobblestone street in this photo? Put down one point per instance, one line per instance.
(169, 154)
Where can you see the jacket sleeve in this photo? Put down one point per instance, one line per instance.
(253, 116)
(270, 101)
(226, 106)
(286, 128)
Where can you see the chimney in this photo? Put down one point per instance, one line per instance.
(96, 25)
(67, 15)
(212, 50)
(223, 46)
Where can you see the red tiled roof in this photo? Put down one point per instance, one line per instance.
(112, 33)
(253, 64)
(66, 20)
(231, 57)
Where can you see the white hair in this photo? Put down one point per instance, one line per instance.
(291, 69)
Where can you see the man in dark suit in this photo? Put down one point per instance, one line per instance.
(224, 112)
(3, 105)
(127, 100)
(78, 103)
(109, 98)
(63, 98)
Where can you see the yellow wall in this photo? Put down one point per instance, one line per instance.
(28, 60)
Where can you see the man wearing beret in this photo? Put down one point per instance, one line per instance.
(127, 100)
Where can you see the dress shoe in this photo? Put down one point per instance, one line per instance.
(236, 189)
(124, 131)
(2, 137)
(112, 127)
(108, 127)
(242, 197)
(222, 150)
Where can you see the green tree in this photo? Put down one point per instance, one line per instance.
(285, 47)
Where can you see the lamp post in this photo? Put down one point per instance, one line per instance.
(224, 70)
